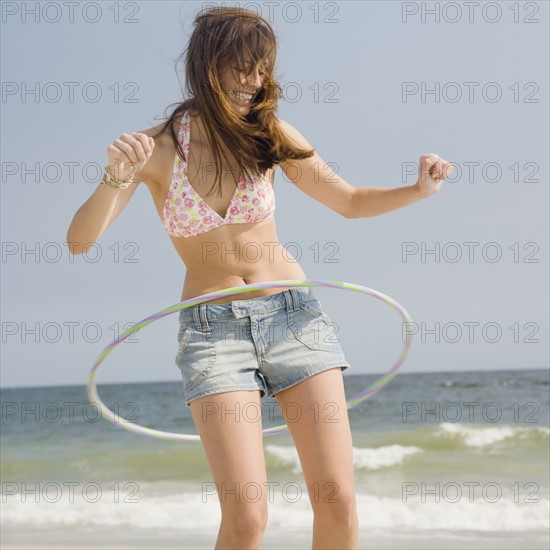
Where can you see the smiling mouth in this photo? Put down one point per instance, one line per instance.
(242, 97)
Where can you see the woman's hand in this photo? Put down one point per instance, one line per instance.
(130, 153)
(432, 170)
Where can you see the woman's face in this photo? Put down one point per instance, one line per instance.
(240, 88)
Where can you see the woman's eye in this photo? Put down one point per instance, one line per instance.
(244, 71)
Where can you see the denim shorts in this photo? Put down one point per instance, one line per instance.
(266, 343)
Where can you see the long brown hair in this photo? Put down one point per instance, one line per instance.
(225, 35)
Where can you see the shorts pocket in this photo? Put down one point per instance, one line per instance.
(313, 328)
(196, 355)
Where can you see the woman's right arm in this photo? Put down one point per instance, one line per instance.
(106, 203)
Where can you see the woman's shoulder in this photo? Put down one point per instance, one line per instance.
(160, 163)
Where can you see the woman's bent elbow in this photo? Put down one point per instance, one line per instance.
(75, 247)
(75, 242)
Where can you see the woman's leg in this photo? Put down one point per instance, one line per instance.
(317, 417)
(232, 439)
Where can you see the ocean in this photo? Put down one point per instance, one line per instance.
(452, 458)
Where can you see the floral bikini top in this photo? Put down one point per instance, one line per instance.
(186, 214)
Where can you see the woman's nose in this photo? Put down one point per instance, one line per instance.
(254, 79)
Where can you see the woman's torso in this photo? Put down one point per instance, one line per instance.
(229, 255)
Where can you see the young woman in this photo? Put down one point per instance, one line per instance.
(274, 342)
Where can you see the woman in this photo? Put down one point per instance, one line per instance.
(272, 341)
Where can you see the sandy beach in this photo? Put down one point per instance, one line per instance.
(290, 540)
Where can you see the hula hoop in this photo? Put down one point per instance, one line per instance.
(360, 397)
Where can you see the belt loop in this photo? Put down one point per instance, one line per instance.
(296, 298)
(203, 318)
(288, 298)
(196, 318)
(199, 316)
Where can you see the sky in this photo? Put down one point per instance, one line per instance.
(372, 85)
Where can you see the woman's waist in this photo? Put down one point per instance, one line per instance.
(245, 304)
(236, 255)
(198, 283)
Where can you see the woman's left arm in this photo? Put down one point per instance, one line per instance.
(316, 179)
(374, 201)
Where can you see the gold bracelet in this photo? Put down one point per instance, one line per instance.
(115, 183)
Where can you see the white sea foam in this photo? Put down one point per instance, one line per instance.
(370, 459)
(289, 508)
(480, 515)
(483, 437)
(374, 459)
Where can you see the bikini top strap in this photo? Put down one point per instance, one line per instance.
(183, 128)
